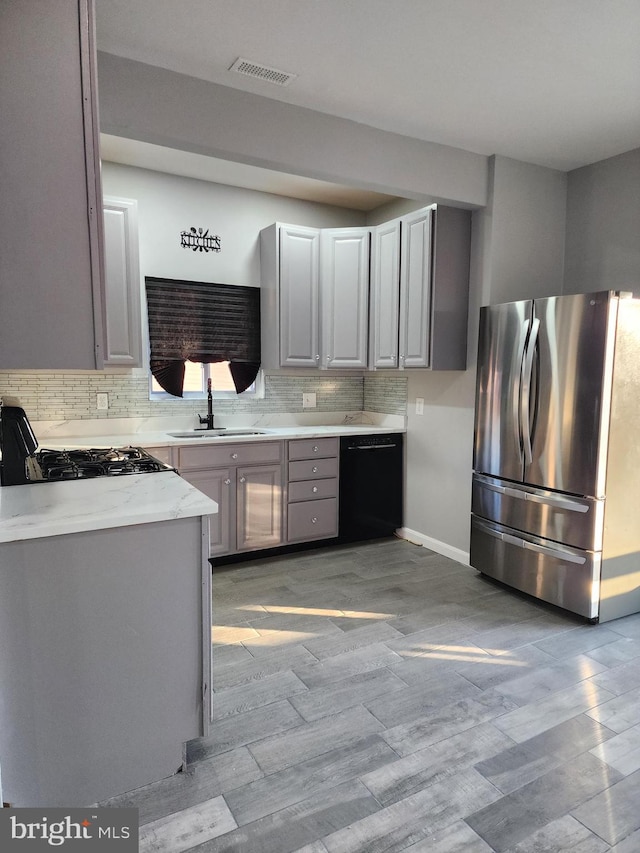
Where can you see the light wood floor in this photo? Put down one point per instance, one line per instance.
(380, 697)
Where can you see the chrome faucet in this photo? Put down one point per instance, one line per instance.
(208, 420)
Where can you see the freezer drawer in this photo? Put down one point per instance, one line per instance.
(574, 521)
(567, 577)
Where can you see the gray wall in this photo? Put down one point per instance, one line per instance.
(194, 115)
(603, 226)
(517, 251)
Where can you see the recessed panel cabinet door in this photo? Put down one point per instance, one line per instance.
(415, 290)
(219, 485)
(344, 289)
(259, 507)
(299, 282)
(123, 329)
(385, 295)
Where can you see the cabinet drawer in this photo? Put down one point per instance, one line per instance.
(312, 520)
(313, 490)
(313, 469)
(313, 448)
(209, 456)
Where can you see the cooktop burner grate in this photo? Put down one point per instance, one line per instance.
(96, 462)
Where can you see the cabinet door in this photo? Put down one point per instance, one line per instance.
(299, 307)
(122, 324)
(385, 295)
(219, 485)
(344, 293)
(415, 289)
(259, 507)
(50, 222)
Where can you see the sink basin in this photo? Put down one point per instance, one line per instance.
(215, 433)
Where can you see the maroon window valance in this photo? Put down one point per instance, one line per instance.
(202, 322)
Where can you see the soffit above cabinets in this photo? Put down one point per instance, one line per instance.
(132, 152)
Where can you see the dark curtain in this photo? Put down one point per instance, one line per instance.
(202, 322)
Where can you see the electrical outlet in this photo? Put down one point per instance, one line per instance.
(309, 400)
(102, 401)
(419, 405)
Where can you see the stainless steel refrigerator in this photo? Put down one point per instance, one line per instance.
(556, 482)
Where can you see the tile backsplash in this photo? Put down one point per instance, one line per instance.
(50, 396)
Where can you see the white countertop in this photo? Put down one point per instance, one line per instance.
(73, 506)
(164, 439)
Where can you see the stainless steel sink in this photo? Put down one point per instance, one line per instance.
(215, 433)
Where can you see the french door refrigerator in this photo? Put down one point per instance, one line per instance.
(556, 482)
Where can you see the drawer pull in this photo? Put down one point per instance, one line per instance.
(315, 448)
(314, 470)
(314, 489)
(243, 479)
(227, 482)
(314, 520)
(234, 455)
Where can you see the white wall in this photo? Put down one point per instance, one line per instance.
(603, 226)
(169, 204)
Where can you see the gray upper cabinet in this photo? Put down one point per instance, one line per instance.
(415, 289)
(344, 290)
(314, 296)
(385, 295)
(50, 216)
(290, 281)
(122, 322)
(420, 290)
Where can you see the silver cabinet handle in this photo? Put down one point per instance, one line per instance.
(317, 358)
(243, 479)
(227, 482)
(314, 470)
(315, 448)
(234, 455)
(314, 520)
(314, 489)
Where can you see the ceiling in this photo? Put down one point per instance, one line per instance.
(552, 82)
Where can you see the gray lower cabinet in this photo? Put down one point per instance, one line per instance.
(121, 308)
(50, 216)
(312, 489)
(246, 481)
(105, 664)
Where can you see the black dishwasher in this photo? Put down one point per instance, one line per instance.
(371, 486)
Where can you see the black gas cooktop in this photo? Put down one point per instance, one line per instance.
(96, 462)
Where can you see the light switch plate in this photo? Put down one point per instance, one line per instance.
(102, 401)
(419, 405)
(309, 400)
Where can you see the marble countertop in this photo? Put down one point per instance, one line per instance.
(163, 438)
(52, 509)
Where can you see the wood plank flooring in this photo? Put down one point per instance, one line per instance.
(380, 697)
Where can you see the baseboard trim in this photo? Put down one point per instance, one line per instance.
(436, 545)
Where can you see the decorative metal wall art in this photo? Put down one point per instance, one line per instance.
(199, 240)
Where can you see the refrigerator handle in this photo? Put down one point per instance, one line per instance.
(559, 553)
(517, 390)
(527, 373)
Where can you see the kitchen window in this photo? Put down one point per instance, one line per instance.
(196, 375)
(199, 330)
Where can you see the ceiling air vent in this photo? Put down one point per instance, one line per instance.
(262, 72)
